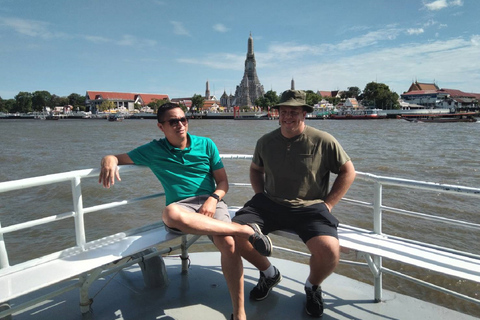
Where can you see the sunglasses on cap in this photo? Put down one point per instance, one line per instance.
(175, 121)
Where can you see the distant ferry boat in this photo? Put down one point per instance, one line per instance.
(442, 117)
(363, 114)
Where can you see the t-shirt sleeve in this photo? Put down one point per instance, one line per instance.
(337, 155)
(140, 156)
(215, 160)
(257, 158)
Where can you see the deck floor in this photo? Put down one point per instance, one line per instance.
(202, 294)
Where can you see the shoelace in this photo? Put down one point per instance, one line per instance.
(262, 283)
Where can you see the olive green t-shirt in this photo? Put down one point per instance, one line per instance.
(297, 170)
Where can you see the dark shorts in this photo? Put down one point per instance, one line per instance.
(192, 204)
(307, 222)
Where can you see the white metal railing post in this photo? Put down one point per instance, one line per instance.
(79, 213)
(377, 228)
(377, 208)
(3, 251)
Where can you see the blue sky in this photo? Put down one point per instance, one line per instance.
(174, 47)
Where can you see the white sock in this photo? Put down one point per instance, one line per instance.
(270, 272)
(308, 285)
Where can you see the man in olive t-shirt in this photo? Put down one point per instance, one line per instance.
(290, 174)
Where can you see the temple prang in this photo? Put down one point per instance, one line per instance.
(250, 88)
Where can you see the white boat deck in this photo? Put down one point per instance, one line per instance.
(202, 294)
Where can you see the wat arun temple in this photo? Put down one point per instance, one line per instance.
(250, 87)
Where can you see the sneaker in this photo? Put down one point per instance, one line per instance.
(314, 306)
(264, 286)
(259, 241)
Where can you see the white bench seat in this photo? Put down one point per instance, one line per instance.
(453, 263)
(36, 274)
(457, 264)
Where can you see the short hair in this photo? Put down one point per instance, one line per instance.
(164, 108)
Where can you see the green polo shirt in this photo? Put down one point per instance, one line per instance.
(297, 170)
(183, 173)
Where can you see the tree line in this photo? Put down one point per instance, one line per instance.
(25, 102)
(374, 95)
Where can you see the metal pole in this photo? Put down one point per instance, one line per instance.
(78, 208)
(377, 228)
(3, 251)
(377, 208)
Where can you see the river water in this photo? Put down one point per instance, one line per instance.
(443, 153)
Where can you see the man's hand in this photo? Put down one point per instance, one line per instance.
(109, 171)
(209, 207)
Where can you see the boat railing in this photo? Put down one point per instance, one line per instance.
(379, 182)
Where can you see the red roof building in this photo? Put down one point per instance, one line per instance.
(126, 100)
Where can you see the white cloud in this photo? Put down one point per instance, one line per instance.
(96, 39)
(179, 28)
(126, 40)
(475, 40)
(442, 4)
(32, 28)
(456, 3)
(220, 28)
(218, 61)
(415, 31)
(129, 40)
(393, 65)
(436, 5)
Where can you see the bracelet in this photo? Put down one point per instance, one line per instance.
(215, 196)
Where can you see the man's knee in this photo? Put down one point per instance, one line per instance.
(225, 244)
(326, 247)
(171, 214)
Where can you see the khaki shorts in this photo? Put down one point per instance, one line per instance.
(192, 204)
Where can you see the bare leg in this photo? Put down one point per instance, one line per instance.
(250, 254)
(177, 217)
(232, 268)
(325, 255)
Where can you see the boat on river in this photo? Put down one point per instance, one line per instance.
(148, 273)
(442, 117)
(361, 114)
(116, 117)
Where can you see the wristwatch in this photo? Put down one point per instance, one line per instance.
(214, 195)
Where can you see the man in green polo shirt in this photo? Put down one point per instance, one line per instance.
(289, 174)
(195, 181)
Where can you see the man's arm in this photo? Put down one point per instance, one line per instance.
(257, 178)
(109, 168)
(210, 205)
(341, 184)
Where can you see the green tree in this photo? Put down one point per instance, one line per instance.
(2, 105)
(312, 98)
(23, 102)
(76, 101)
(197, 103)
(270, 98)
(10, 105)
(352, 92)
(106, 105)
(40, 99)
(333, 100)
(157, 103)
(57, 101)
(379, 95)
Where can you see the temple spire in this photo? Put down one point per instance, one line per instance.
(250, 88)
(207, 91)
